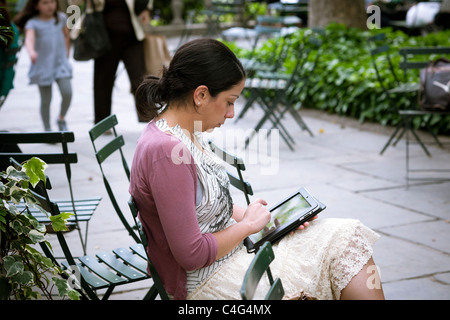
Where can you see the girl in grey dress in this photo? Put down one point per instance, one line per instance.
(48, 44)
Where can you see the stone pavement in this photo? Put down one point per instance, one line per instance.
(340, 165)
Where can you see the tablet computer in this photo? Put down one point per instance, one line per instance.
(286, 216)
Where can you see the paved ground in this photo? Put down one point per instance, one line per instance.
(341, 165)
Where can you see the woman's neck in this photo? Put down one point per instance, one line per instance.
(186, 120)
(181, 117)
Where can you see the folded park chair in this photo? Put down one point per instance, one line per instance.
(106, 151)
(280, 93)
(84, 208)
(220, 8)
(266, 27)
(260, 265)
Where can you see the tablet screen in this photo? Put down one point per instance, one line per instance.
(282, 215)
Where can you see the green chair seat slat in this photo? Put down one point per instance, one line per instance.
(81, 201)
(44, 219)
(101, 270)
(123, 269)
(93, 280)
(85, 208)
(405, 87)
(138, 248)
(132, 259)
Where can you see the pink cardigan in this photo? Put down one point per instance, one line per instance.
(165, 193)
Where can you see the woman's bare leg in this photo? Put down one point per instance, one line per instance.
(366, 285)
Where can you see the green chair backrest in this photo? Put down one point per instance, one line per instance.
(260, 265)
(237, 182)
(58, 137)
(102, 153)
(380, 53)
(419, 57)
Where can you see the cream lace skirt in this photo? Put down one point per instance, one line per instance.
(317, 262)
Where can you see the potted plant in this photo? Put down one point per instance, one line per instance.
(25, 273)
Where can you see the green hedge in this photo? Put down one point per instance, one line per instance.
(344, 81)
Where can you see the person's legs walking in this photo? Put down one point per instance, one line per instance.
(65, 89)
(133, 59)
(46, 98)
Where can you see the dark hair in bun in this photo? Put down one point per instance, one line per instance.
(199, 62)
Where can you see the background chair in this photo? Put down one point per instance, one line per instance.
(280, 93)
(89, 274)
(392, 84)
(220, 8)
(103, 152)
(82, 208)
(260, 265)
(414, 59)
(282, 30)
(266, 27)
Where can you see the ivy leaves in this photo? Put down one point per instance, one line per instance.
(22, 267)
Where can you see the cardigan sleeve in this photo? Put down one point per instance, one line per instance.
(174, 190)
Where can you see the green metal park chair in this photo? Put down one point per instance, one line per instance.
(258, 267)
(278, 93)
(82, 208)
(94, 276)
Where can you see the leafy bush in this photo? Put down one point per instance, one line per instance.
(23, 269)
(344, 81)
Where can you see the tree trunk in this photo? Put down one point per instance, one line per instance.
(351, 13)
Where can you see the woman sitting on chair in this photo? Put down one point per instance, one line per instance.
(194, 230)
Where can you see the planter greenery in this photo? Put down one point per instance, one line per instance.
(345, 82)
(25, 273)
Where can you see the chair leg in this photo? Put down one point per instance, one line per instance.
(427, 125)
(108, 293)
(247, 105)
(267, 116)
(295, 114)
(388, 143)
(409, 127)
(151, 294)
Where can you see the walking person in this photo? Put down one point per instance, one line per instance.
(48, 44)
(125, 22)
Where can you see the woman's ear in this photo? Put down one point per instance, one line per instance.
(201, 93)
